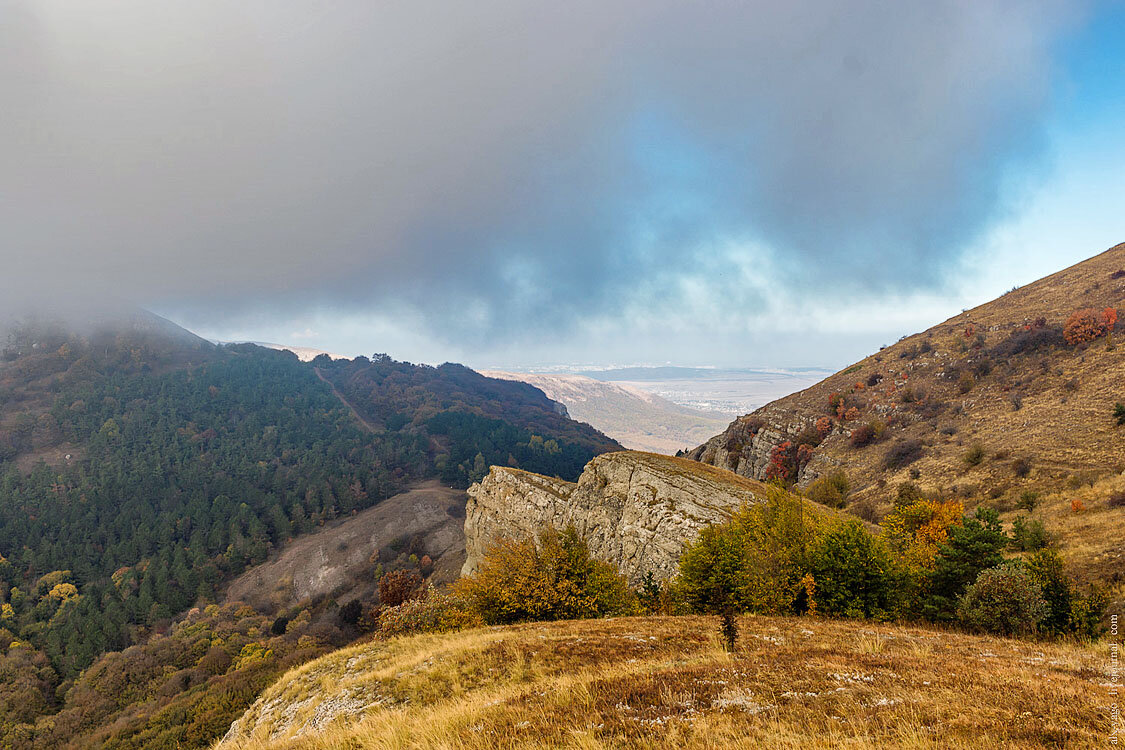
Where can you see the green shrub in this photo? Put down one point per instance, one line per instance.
(1046, 569)
(1119, 413)
(974, 455)
(1028, 500)
(973, 546)
(1068, 611)
(1029, 535)
(831, 490)
(1004, 600)
(903, 453)
(855, 574)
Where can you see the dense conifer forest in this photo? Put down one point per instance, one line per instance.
(185, 464)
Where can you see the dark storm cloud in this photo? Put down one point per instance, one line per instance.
(500, 165)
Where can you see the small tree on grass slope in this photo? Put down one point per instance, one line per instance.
(976, 545)
(712, 575)
(755, 562)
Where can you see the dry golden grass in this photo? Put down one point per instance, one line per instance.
(666, 683)
(1093, 539)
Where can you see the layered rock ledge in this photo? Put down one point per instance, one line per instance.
(635, 510)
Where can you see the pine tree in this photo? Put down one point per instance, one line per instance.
(972, 547)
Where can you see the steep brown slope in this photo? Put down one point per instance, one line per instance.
(987, 406)
(338, 560)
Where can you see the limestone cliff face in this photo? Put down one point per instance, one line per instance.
(636, 510)
(745, 446)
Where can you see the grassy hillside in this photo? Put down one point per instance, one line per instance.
(637, 419)
(994, 406)
(667, 683)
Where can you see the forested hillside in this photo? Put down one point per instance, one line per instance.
(142, 467)
(475, 421)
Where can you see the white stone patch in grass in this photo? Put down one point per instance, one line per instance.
(740, 699)
(852, 677)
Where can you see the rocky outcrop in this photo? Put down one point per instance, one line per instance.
(746, 445)
(636, 510)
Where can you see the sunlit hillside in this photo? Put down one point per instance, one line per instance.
(667, 683)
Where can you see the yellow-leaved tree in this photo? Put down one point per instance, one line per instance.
(552, 577)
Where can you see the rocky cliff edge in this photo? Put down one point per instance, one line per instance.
(636, 510)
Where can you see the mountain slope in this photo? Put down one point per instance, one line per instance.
(665, 682)
(471, 421)
(141, 468)
(637, 419)
(42, 355)
(987, 406)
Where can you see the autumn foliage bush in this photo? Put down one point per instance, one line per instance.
(823, 427)
(786, 461)
(831, 490)
(430, 612)
(549, 578)
(917, 529)
(398, 586)
(866, 434)
(1089, 324)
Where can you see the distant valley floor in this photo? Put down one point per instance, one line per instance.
(634, 417)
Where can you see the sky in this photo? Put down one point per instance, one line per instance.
(512, 184)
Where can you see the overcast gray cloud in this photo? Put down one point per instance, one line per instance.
(502, 165)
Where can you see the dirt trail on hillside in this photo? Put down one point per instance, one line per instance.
(366, 425)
